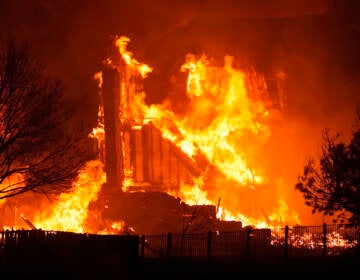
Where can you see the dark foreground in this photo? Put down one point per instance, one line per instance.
(238, 269)
(115, 268)
(40, 255)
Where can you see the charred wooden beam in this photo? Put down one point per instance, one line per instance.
(113, 143)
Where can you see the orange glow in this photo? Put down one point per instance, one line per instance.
(12, 181)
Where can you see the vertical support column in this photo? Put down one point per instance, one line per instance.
(209, 242)
(248, 248)
(358, 244)
(137, 155)
(113, 142)
(169, 242)
(146, 153)
(142, 252)
(286, 253)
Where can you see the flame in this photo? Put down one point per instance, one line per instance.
(222, 123)
(193, 194)
(69, 212)
(220, 118)
(122, 43)
(98, 77)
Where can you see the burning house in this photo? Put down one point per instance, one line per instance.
(141, 165)
(145, 166)
(218, 152)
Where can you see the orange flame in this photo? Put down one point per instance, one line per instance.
(69, 212)
(122, 43)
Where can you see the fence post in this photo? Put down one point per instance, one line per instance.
(286, 253)
(248, 237)
(324, 239)
(142, 246)
(208, 253)
(169, 242)
(358, 244)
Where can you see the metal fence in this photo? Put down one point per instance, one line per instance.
(297, 241)
(28, 245)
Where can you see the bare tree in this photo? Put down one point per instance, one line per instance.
(37, 150)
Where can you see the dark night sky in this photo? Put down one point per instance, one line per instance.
(316, 43)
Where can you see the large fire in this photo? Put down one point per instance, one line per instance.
(227, 118)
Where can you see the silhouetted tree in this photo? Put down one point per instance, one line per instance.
(38, 152)
(333, 186)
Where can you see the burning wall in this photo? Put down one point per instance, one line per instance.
(135, 152)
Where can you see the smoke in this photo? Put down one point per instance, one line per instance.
(73, 37)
